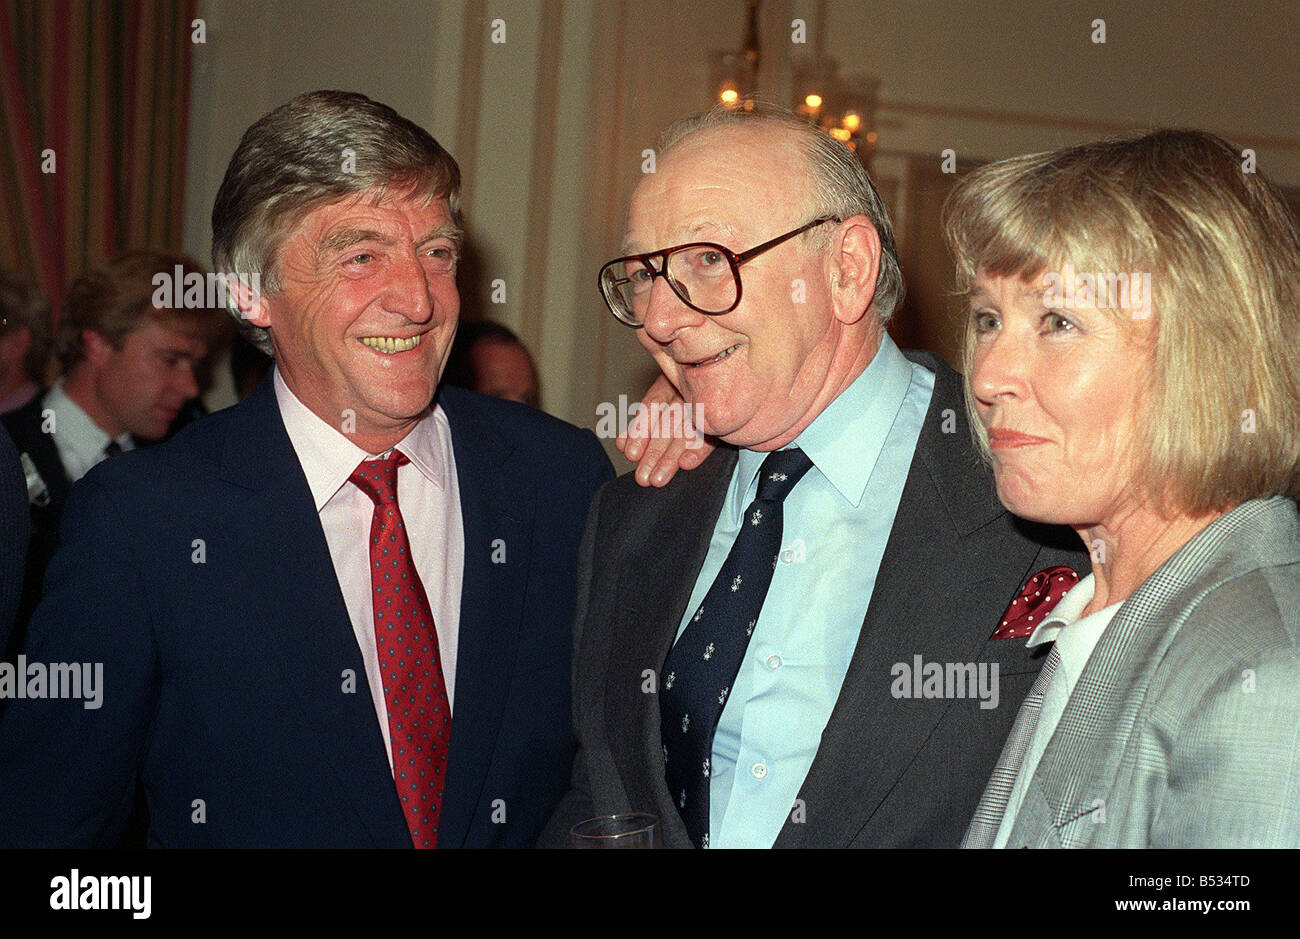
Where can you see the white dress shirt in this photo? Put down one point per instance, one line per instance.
(1075, 639)
(429, 499)
(79, 440)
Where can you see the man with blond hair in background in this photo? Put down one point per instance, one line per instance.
(129, 366)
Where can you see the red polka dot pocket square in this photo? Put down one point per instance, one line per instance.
(1035, 600)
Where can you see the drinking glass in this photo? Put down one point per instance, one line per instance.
(627, 830)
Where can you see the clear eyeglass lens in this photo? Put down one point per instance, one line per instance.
(700, 274)
(627, 285)
(703, 274)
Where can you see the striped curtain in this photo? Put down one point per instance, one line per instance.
(94, 106)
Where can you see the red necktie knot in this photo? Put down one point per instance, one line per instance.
(1037, 599)
(378, 478)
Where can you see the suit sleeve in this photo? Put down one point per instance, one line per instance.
(68, 766)
(1234, 772)
(577, 803)
(15, 523)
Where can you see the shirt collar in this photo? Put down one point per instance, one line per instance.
(1067, 611)
(844, 440)
(77, 430)
(329, 458)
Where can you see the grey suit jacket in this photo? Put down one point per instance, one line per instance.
(888, 771)
(1184, 728)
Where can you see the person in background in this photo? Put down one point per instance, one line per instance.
(489, 358)
(129, 369)
(24, 341)
(1133, 308)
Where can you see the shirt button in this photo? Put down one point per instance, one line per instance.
(774, 661)
(758, 770)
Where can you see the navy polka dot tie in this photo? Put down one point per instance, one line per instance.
(698, 674)
(419, 716)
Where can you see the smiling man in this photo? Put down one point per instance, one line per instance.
(741, 636)
(341, 610)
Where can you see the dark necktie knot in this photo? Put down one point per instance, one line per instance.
(378, 478)
(781, 470)
(112, 448)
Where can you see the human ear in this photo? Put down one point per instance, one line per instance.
(855, 265)
(96, 346)
(250, 301)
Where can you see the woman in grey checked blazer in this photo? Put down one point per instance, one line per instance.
(1134, 305)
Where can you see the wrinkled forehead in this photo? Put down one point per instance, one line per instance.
(739, 182)
(391, 201)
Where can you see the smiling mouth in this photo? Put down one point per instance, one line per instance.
(390, 345)
(713, 358)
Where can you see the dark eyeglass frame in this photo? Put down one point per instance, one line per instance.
(733, 259)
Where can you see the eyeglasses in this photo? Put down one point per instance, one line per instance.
(705, 276)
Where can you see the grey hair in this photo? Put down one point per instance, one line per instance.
(316, 149)
(838, 183)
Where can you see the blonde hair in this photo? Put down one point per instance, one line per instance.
(116, 297)
(1219, 425)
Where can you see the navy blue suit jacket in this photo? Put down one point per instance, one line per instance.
(14, 528)
(198, 573)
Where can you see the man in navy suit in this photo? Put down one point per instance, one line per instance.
(337, 614)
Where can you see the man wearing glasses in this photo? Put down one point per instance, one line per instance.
(743, 633)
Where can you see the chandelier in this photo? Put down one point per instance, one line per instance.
(843, 106)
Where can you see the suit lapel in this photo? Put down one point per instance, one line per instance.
(662, 562)
(39, 446)
(1083, 758)
(497, 503)
(306, 626)
(1034, 821)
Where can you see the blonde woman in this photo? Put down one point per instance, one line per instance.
(1131, 362)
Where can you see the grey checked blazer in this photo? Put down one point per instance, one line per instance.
(1184, 728)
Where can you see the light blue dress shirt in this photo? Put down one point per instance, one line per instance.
(837, 522)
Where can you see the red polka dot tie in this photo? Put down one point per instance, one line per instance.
(1038, 598)
(419, 716)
